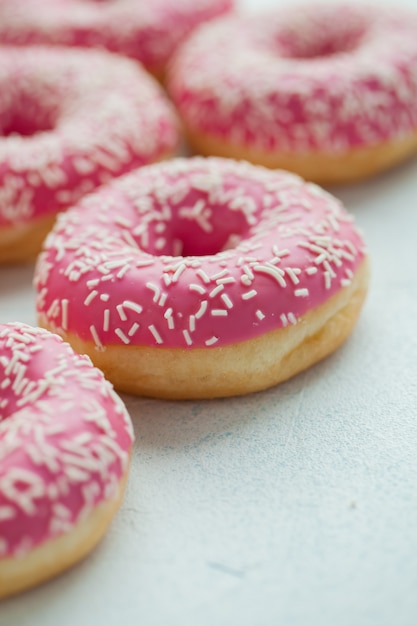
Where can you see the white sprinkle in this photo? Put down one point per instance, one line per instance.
(320, 258)
(211, 341)
(219, 312)
(291, 318)
(133, 306)
(284, 319)
(311, 270)
(280, 253)
(167, 279)
(196, 287)
(156, 291)
(93, 294)
(327, 280)
(123, 221)
(202, 309)
(123, 271)
(213, 293)
(259, 314)
(293, 274)
(112, 265)
(155, 334)
(201, 273)
(219, 274)
(274, 272)
(53, 310)
(301, 293)
(182, 267)
(249, 294)
(177, 247)
(120, 333)
(191, 323)
(351, 247)
(144, 263)
(168, 316)
(187, 338)
(329, 269)
(248, 271)
(225, 281)
(227, 301)
(160, 243)
(104, 297)
(64, 313)
(95, 336)
(162, 299)
(133, 329)
(106, 320)
(121, 312)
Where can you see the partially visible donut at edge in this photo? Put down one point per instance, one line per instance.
(65, 446)
(328, 91)
(70, 120)
(200, 278)
(148, 32)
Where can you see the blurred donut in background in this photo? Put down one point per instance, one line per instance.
(146, 31)
(326, 91)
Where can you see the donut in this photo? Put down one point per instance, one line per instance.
(148, 32)
(201, 278)
(326, 91)
(65, 444)
(70, 120)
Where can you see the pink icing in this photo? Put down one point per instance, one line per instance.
(194, 253)
(71, 120)
(326, 78)
(146, 31)
(65, 438)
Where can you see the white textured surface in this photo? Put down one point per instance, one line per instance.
(296, 506)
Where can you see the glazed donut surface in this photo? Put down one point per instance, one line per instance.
(65, 442)
(70, 120)
(327, 91)
(189, 260)
(146, 31)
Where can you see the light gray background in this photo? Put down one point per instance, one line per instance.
(296, 506)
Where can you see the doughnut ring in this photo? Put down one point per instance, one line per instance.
(201, 278)
(65, 443)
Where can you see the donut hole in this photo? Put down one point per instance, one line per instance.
(25, 126)
(183, 215)
(188, 245)
(314, 37)
(28, 118)
(188, 237)
(199, 226)
(321, 48)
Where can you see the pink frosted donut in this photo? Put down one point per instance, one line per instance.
(202, 278)
(146, 31)
(65, 442)
(70, 120)
(326, 91)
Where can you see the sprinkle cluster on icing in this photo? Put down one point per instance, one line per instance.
(319, 77)
(146, 31)
(65, 438)
(71, 120)
(194, 253)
